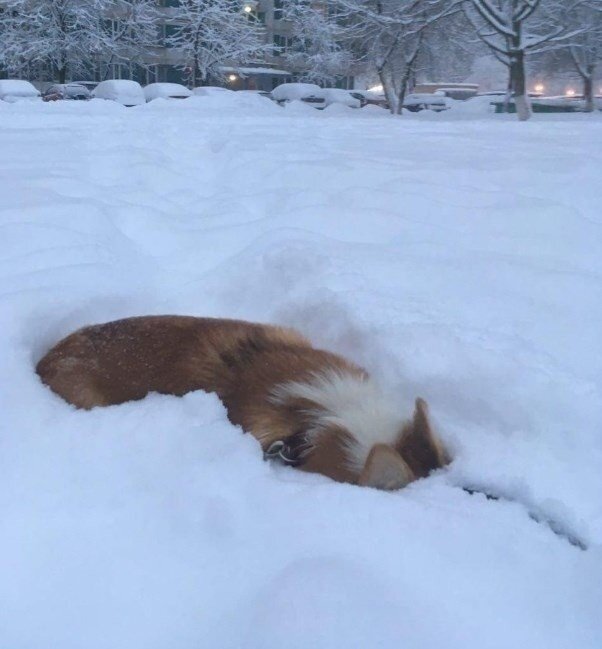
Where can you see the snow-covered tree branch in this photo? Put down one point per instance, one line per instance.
(70, 37)
(318, 52)
(514, 28)
(389, 37)
(210, 33)
(583, 52)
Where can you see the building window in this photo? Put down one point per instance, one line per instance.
(168, 31)
(278, 9)
(282, 44)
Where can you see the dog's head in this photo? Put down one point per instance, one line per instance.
(349, 431)
(374, 450)
(415, 453)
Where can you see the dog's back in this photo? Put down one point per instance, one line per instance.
(271, 380)
(126, 359)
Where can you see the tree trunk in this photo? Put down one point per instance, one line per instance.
(588, 89)
(518, 85)
(389, 91)
(403, 88)
(62, 74)
(507, 96)
(518, 76)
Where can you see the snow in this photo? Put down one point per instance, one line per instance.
(339, 96)
(229, 101)
(457, 257)
(12, 90)
(431, 100)
(122, 91)
(475, 106)
(207, 91)
(296, 91)
(166, 91)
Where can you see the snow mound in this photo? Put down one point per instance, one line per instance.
(456, 260)
(337, 108)
(299, 107)
(241, 103)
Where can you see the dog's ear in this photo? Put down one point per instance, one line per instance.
(385, 469)
(419, 446)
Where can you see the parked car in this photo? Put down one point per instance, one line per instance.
(14, 90)
(208, 91)
(166, 91)
(503, 93)
(308, 93)
(453, 90)
(123, 91)
(260, 93)
(69, 91)
(425, 101)
(559, 104)
(339, 96)
(89, 85)
(371, 98)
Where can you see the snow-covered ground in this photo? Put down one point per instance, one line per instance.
(458, 257)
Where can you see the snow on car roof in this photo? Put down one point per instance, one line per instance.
(165, 90)
(17, 88)
(291, 91)
(210, 90)
(121, 90)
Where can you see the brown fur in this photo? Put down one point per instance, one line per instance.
(243, 363)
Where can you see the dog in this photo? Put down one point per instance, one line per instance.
(309, 408)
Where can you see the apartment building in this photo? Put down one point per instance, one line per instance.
(161, 63)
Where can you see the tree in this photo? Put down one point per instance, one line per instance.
(389, 37)
(317, 53)
(51, 32)
(449, 50)
(128, 32)
(514, 28)
(70, 37)
(584, 49)
(210, 33)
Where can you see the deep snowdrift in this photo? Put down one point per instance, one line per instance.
(457, 260)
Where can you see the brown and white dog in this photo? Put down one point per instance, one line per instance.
(311, 408)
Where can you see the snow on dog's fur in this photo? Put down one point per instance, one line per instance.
(328, 413)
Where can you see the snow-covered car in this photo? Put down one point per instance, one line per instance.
(257, 93)
(308, 93)
(425, 101)
(123, 91)
(558, 104)
(89, 85)
(370, 98)
(210, 91)
(339, 96)
(68, 91)
(166, 91)
(13, 90)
